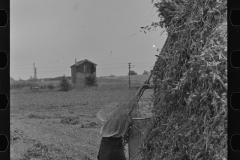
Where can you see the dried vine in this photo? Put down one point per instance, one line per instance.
(190, 83)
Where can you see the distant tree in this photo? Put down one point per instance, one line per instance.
(64, 84)
(12, 79)
(132, 73)
(50, 86)
(112, 75)
(30, 79)
(90, 80)
(145, 72)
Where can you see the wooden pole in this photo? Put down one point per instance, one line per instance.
(129, 66)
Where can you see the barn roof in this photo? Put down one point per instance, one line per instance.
(82, 61)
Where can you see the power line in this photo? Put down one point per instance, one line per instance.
(58, 71)
(42, 71)
(65, 67)
(98, 64)
(53, 63)
(103, 65)
(125, 58)
(112, 66)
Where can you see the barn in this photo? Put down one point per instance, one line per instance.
(82, 69)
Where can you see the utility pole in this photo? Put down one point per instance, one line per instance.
(35, 73)
(129, 66)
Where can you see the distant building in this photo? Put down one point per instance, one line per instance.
(82, 69)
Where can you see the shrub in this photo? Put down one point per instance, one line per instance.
(90, 80)
(132, 73)
(64, 84)
(50, 86)
(145, 72)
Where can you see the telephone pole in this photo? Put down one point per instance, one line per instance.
(129, 66)
(34, 72)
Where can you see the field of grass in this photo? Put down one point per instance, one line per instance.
(135, 80)
(49, 124)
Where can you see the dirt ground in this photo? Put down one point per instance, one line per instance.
(55, 125)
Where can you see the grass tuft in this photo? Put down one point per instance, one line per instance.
(69, 120)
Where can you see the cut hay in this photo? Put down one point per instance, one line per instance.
(190, 78)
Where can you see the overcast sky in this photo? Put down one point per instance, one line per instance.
(52, 33)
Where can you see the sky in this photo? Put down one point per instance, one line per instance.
(52, 33)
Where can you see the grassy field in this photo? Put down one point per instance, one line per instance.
(135, 80)
(49, 124)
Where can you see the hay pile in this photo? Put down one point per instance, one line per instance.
(190, 78)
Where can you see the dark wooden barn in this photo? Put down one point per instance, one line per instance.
(82, 69)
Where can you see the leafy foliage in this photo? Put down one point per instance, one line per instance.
(56, 78)
(167, 10)
(145, 72)
(50, 86)
(64, 84)
(190, 83)
(132, 73)
(90, 80)
(12, 79)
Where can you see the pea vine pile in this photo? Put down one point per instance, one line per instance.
(190, 86)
